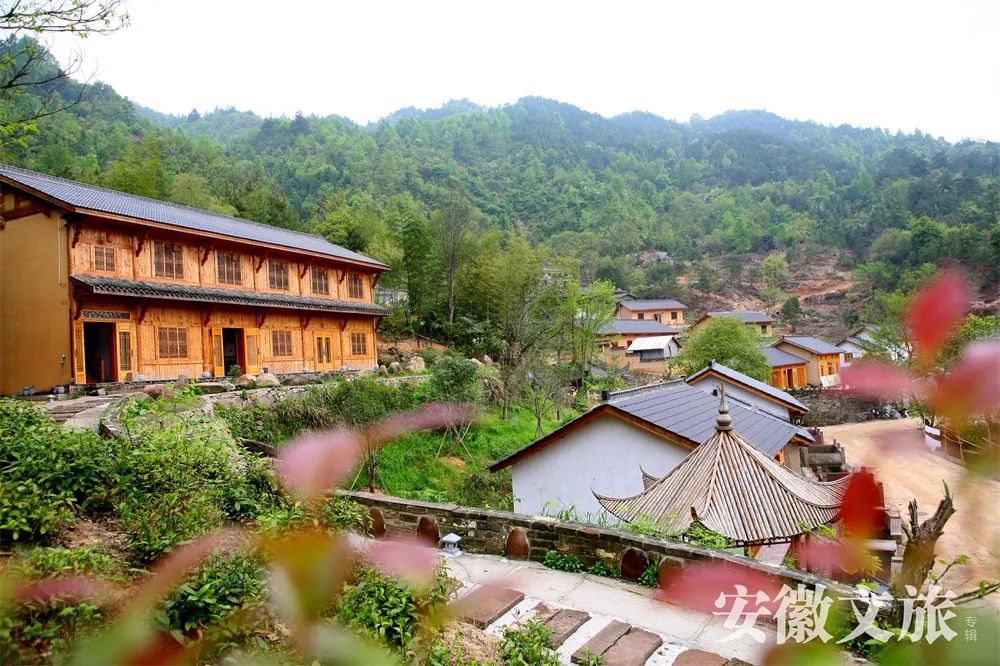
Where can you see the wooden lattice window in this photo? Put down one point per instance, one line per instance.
(227, 266)
(104, 258)
(277, 274)
(172, 342)
(281, 343)
(124, 351)
(324, 355)
(320, 281)
(355, 287)
(168, 260)
(359, 344)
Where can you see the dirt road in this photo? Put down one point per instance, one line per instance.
(909, 470)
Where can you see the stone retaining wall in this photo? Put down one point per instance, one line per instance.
(831, 406)
(486, 531)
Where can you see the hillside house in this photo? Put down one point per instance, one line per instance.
(761, 323)
(822, 359)
(855, 345)
(101, 286)
(617, 337)
(644, 431)
(788, 371)
(665, 311)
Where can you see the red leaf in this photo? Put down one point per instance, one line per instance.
(935, 312)
(699, 584)
(873, 379)
(973, 385)
(67, 589)
(436, 415)
(312, 464)
(404, 559)
(860, 510)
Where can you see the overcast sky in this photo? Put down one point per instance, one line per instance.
(898, 65)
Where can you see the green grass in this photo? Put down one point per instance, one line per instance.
(410, 466)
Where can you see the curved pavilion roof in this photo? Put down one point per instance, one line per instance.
(732, 488)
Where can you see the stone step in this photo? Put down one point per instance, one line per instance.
(563, 622)
(632, 649)
(484, 605)
(699, 658)
(601, 641)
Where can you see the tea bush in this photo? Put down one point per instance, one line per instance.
(388, 609)
(567, 562)
(527, 644)
(56, 561)
(222, 586)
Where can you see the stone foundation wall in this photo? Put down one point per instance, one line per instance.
(486, 531)
(831, 406)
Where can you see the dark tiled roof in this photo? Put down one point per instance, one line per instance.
(624, 326)
(815, 345)
(691, 413)
(683, 410)
(747, 380)
(747, 317)
(664, 304)
(777, 357)
(90, 197)
(732, 488)
(183, 292)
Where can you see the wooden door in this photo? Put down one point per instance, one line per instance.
(251, 350)
(218, 357)
(324, 351)
(79, 355)
(125, 351)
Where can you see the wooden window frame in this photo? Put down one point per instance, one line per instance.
(104, 253)
(355, 286)
(124, 351)
(673, 315)
(359, 341)
(281, 344)
(320, 280)
(228, 268)
(168, 260)
(171, 342)
(277, 275)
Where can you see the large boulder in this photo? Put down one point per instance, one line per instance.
(395, 367)
(246, 382)
(182, 381)
(476, 362)
(487, 360)
(416, 364)
(382, 370)
(267, 380)
(154, 390)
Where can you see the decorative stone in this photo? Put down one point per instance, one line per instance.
(376, 522)
(415, 364)
(153, 390)
(668, 571)
(182, 381)
(428, 532)
(382, 370)
(699, 658)
(476, 362)
(245, 381)
(213, 387)
(517, 545)
(395, 367)
(634, 562)
(487, 360)
(267, 380)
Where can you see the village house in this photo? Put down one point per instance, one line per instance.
(637, 433)
(101, 286)
(656, 343)
(822, 359)
(855, 345)
(665, 311)
(788, 371)
(763, 324)
(750, 391)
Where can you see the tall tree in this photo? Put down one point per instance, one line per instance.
(453, 225)
(725, 340)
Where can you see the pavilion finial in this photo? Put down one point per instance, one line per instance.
(724, 421)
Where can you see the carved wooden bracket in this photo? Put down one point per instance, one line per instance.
(340, 279)
(375, 277)
(258, 263)
(139, 242)
(79, 309)
(204, 254)
(142, 312)
(261, 318)
(206, 316)
(343, 325)
(305, 319)
(76, 221)
(302, 273)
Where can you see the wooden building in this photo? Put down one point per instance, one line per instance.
(788, 371)
(665, 311)
(761, 323)
(822, 359)
(100, 286)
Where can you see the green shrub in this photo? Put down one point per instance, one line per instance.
(354, 404)
(42, 632)
(219, 588)
(47, 472)
(155, 524)
(527, 644)
(454, 380)
(389, 610)
(563, 562)
(54, 561)
(255, 422)
(600, 569)
(345, 514)
(651, 576)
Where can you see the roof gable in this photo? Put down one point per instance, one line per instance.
(661, 304)
(747, 317)
(81, 197)
(810, 344)
(778, 357)
(765, 391)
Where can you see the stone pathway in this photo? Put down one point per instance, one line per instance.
(619, 621)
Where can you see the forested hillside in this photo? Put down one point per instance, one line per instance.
(436, 193)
